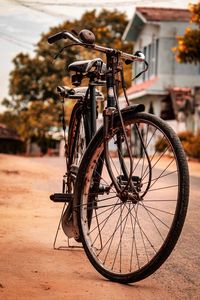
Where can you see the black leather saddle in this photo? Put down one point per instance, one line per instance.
(85, 66)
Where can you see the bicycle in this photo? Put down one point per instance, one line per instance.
(127, 192)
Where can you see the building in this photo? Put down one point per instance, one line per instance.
(168, 89)
(10, 142)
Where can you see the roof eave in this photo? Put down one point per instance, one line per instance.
(144, 93)
(134, 27)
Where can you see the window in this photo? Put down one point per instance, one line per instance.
(145, 54)
(156, 56)
(151, 53)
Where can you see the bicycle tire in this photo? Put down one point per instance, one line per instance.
(75, 125)
(147, 264)
(75, 151)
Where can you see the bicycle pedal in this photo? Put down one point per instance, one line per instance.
(62, 197)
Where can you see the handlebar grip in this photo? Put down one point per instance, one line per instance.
(56, 37)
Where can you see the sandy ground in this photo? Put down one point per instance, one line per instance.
(31, 269)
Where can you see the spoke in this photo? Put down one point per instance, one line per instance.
(108, 205)
(104, 221)
(120, 241)
(100, 176)
(159, 200)
(161, 210)
(114, 165)
(111, 237)
(170, 173)
(120, 250)
(101, 200)
(145, 234)
(156, 217)
(105, 199)
(133, 242)
(98, 226)
(146, 148)
(103, 212)
(153, 221)
(145, 174)
(141, 233)
(163, 188)
(162, 173)
(122, 158)
(145, 144)
(106, 183)
(154, 152)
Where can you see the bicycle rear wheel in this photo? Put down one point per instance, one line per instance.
(76, 149)
(128, 238)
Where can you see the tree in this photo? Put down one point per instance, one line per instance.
(188, 48)
(33, 80)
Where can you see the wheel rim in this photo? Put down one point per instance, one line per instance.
(126, 237)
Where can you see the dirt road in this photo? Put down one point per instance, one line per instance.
(31, 269)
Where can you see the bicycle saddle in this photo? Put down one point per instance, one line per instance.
(84, 66)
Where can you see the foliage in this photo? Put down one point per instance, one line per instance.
(185, 136)
(33, 80)
(161, 145)
(188, 48)
(9, 119)
(191, 144)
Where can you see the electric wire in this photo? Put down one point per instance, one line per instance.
(15, 42)
(92, 3)
(27, 5)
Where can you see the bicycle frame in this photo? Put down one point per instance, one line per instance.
(87, 108)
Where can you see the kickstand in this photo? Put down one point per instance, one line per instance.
(68, 246)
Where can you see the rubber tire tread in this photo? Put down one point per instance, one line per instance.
(73, 130)
(182, 205)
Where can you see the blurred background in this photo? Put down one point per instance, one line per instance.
(31, 137)
(166, 31)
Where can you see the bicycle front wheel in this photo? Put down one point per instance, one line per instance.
(128, 238)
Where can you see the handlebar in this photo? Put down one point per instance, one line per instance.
(62, 35)
(86, 39)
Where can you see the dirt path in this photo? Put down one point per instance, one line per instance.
(31, 269)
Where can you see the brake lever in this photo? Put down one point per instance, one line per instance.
(71, 36)
(145, 69)
(63, 48)
(70, 45)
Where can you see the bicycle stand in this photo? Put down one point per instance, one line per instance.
(59, 228)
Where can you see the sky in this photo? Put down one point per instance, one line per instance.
(23, 21)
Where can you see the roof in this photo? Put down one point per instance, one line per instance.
(141, 86)
(7, 133)
(156, 15)
(159, 14)
(148, 87)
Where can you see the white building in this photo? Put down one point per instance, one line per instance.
(169, 89)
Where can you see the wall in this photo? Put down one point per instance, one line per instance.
(170, 72)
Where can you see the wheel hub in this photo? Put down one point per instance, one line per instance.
(129, 197)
